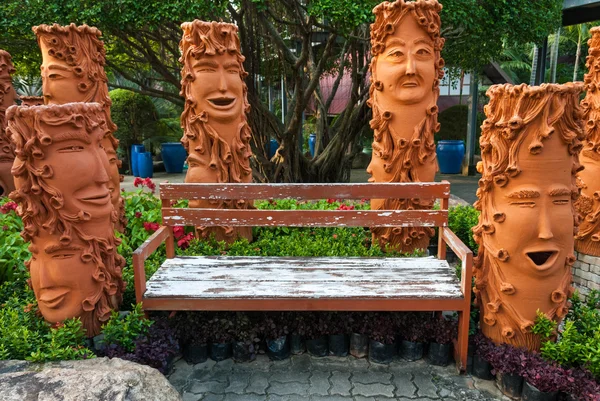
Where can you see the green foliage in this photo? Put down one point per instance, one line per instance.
(124, 330)
(24, 335)
(461, 220)
(579, 341)
(453, 123)
(13, 252)
(135, 116)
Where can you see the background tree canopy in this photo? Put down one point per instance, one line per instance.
(295, 40)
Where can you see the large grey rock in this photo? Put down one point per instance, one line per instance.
(99, 379)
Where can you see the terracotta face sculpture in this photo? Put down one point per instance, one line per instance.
(216, 132)
(587, 239)
(64, 202)
(7, 99)
(73, 59)
(529, 147)
(405, 73)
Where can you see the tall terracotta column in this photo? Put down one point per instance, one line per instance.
(216, 131)
(7, 99)
(587, 241)
(64, 201)
(530, 144)
(405, 73)
(73, 59)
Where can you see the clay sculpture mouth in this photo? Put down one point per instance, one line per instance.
(410, 84)
(99, 199)
(222, 102)
(52, 298)
(543, 260)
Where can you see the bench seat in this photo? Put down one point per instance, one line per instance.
(300, 283)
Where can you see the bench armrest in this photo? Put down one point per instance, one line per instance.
(466, 256)
(143, 252)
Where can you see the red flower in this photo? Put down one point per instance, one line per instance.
(334, 236)
(330, 200)
(151, 227)
(178, 231)
(151, 186)
(7, 207)
(184, 242)
(138, 215)
(138, 181)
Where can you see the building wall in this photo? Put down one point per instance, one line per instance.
(586, 273)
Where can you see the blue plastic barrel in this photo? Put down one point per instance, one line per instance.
(135, 149)
(312, 140)
(173, 155)
(450, 154)
(273, 146)
(144, 164)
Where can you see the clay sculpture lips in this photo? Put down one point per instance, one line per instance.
(53, 297)
(99, 199)
(223, 103)
(543, 260)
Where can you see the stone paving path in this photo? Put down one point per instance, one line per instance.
(306, 378)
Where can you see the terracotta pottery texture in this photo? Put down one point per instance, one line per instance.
(73, 59)
(7, 99)
(530, 144)
(588, 239)
(405, 74)
(32, 100)
(64, 201)
(216, 132)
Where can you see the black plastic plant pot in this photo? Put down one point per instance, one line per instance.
(195, 353)
(530, 393)
(482, 368)
(339, 344)
(439, 354)
(220, 351)
(243, 352)
(297, 346)
(511, 385)
(359, 345)
(381, 353)
(278, 349)
(317, 346)
(411, 351)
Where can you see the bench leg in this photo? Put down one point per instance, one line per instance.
(460, 351)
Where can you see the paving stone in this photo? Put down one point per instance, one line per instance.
(372, 390)
(243, 397)
(301, 363)
(292, 388)
(358, 364)
(331, 398)
(259, 381)
(275, 397)
(261, 364)
(404, 385)
(207, 365)
(238, 382)
(278, 366)
(425, 387)
(212, 386)
(340, 383)
(359, 398)
(371, 377)
(488, 388)
(319, 383)
(213, 397)
(190, 396)
(290, 376)
(330, 363)
(207, 375)
(224, 366)
(446, 394)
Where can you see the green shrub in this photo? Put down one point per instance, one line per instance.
(13, 251)
(461, 220)
(124, 330)
(453, 123)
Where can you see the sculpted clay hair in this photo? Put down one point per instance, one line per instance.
(404, 158)
(521, 123)
(201, 39)
(588, 205)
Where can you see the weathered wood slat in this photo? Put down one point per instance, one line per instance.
(305, 218)
(426, 190)
(267, 290)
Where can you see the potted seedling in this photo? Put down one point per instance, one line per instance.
(339, 327)
(191, 329)
(382, 345)
(316, 334)
(221, 334)
(297, 332)
(246, 340)
(444, 331)
(414, 334)
(359, 339)
(274, 327)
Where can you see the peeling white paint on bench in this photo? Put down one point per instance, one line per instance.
(225, 277)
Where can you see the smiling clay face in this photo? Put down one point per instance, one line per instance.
(79, 169)
(217, 87)
(406, 68)
(62, 278)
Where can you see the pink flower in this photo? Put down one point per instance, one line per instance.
(138, 215)
(178, 231)
(7, 207)
(335, 236)
(150, 227)
(184, 242)
(138, 181)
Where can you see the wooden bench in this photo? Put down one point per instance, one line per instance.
(307, 283)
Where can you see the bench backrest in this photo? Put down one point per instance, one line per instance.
(173, 216)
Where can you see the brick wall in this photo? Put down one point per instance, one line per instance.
(586, 273)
